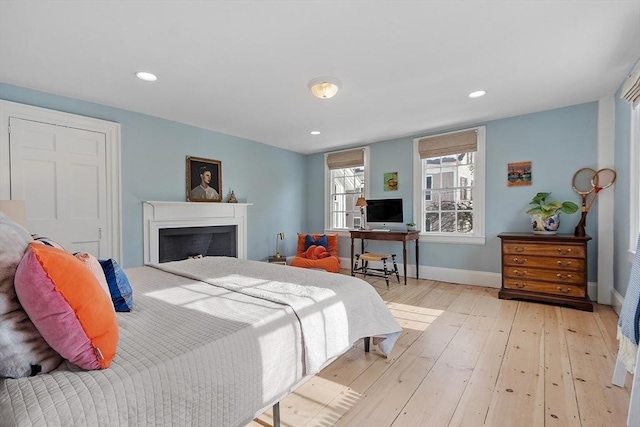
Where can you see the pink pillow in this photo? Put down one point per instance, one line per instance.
(92, 263)
(68, 306)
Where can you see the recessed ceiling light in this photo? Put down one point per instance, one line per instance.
(477, 94)
(147, 77)
(315, 132)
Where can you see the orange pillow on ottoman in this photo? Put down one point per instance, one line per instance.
(332, 241)
(316, 252)
(66, 303)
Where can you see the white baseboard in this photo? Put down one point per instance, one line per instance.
(616, 301)
(592, 291)
(449, 275)
(479, 278)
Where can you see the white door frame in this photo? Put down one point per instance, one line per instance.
(111, 131)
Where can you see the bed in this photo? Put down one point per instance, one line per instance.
(212, 341)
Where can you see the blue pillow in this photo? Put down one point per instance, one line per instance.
(119, 287)
(321, 241)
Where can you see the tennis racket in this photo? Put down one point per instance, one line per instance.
(585, 182)
(604, 178)
(581, 184)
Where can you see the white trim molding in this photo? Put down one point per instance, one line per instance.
(634, 184)
(606, 159)
(616, 301)
(449, 275)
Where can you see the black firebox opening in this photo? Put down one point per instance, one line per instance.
(181, 243)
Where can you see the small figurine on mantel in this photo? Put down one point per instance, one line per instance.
(232, 197)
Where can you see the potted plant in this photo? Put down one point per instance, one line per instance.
(411, 226)
(545, 215)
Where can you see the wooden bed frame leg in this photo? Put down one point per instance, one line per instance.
(276, 415)
(367, 341)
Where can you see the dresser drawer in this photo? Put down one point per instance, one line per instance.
(548, 288)
(557, 263)
(555, 250)
(555, 276)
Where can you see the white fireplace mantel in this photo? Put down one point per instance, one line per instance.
(161, 215)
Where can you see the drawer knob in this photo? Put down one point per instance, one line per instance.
(563, 251)
(564, 263)
(564, 290)
(519, 261)
(566, 277)
(520, 285)
(518, 248)
(520, 273)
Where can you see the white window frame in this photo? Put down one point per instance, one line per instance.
(478, 236)
(634, 186)
(328, 183)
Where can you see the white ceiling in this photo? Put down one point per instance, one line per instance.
(242, 67)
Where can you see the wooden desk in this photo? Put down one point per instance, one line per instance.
(397, 236)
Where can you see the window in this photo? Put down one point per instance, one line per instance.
(346, 178)
(449, 199)
(631, 93)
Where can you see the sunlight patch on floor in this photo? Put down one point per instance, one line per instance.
(414, 317)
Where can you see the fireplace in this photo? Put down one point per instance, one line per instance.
(176, 244)
(177, 230)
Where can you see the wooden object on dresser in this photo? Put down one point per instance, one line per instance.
(546, 268)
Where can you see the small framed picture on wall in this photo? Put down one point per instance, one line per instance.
(390, 181)
(204, 180)
(518, 174)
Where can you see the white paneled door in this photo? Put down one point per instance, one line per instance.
(61, 174)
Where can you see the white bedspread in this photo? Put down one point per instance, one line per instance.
(195, 354)
(333, 312)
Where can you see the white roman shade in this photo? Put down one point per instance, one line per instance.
(445, 145)
(346, 159)
(631, 87)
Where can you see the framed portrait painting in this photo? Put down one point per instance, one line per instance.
(204, 180)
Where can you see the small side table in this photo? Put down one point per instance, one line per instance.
(273, 260)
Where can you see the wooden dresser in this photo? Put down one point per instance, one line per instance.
(546, 268)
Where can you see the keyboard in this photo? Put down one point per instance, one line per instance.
(380, 229)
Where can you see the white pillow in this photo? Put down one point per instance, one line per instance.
(23, 351)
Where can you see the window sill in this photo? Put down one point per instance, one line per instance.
(464, 240)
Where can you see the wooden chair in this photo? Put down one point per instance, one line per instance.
(381, 272)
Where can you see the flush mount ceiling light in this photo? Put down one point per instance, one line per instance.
(147, 77)
(315, 132)
(324, 87)
(477, 94)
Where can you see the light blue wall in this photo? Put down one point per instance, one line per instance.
(153, 168)
(557, 142)
(622, 266)
(287, 189)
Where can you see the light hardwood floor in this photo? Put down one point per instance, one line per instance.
(467, 358)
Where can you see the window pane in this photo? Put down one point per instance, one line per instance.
(448, 224)
(465, 222)
(432, 222)
(432, 201)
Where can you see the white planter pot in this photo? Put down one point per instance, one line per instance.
(542, 225)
